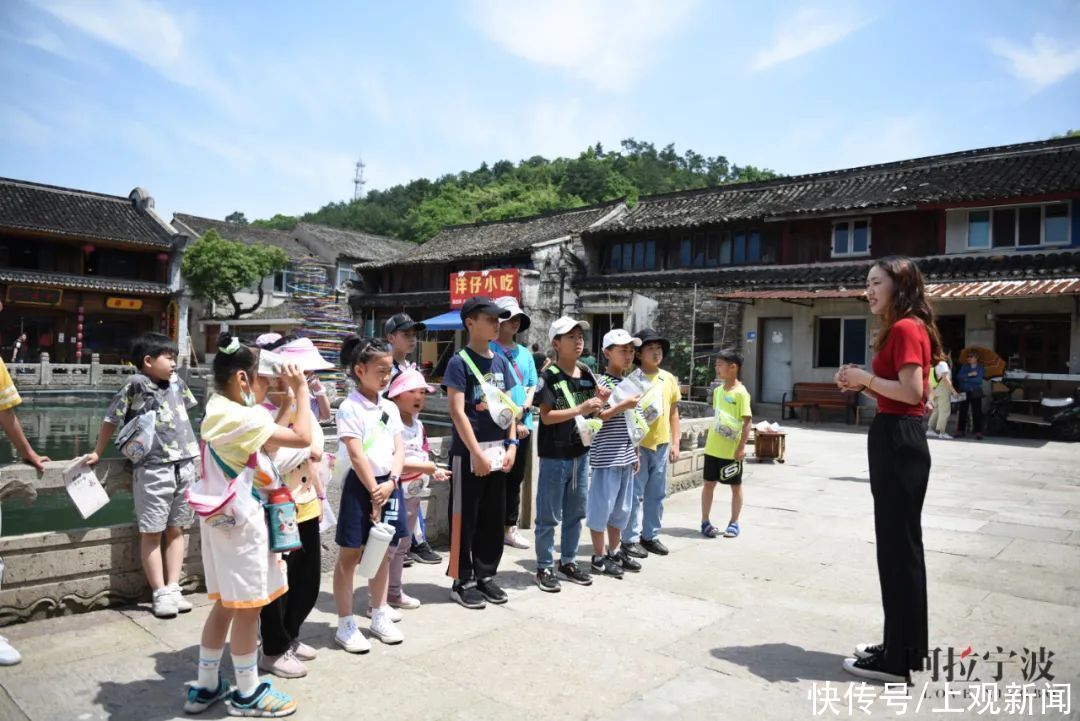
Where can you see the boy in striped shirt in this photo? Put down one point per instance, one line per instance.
(613, 459)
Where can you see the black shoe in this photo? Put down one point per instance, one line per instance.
(423, 553)
(635, 549)
(408, 562)
(572, 573)
(873, 667)
(488, 588)
(606, 566)
(545, 579)
(653, 545)
(866, 650)
(467, 595)
(628, 564)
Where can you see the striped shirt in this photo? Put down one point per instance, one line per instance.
(9, 395)
(611, 446)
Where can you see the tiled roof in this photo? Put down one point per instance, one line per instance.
(951, 290)
(853, 273)
(79, 213)
(247, 234)
(419, 299)
(83, 282)
(500, 237)
(352, 244)
(1011, 171)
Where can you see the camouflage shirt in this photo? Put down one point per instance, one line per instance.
(174, 438)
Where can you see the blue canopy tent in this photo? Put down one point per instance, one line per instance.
(450, 320)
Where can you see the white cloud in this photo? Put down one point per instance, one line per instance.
(804, 31)
(1042, 63)
(606, 42)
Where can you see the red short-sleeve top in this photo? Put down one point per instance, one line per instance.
(908, 343)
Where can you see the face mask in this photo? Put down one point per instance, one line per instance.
(248, 397)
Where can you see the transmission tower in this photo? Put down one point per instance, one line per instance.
(358, 180)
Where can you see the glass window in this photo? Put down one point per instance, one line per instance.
(699, 250)
(639, 255)
(685, 251)
(854, 342)
(739, 241)
(828, 342)
(282, 281)
(1030, 225)
(1004, 228)
(615, 261)
(753, 247)
(725, 249)
(650, 255)
(712, 250)
(860, 237)
(979, 229)
(840, 239)
(1056, 228)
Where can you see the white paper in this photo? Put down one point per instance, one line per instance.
(84, 487)
(495, 453)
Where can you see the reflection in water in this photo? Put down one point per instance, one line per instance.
(64, 431)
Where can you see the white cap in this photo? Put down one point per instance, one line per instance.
(618, 336)
(565, 325)
(510, 303)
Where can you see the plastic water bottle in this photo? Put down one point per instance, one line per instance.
(281, 521)
(378, 542)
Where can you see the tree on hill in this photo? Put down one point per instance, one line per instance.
(217, 269)
(236, 217)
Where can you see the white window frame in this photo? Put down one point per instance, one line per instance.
(285, 275)
(841, 318)
(351, 276)
(850, 223)
(1016, 225)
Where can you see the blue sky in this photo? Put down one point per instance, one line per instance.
(264, 106)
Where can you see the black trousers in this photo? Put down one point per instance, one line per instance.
(513, 482)
(281, 620)
(477, 511)
(976, 415)
(899, 473)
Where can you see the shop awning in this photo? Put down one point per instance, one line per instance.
(451, 320)
(964, 290)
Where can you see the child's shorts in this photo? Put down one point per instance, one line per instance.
(725, 471)
(239, 568)
(354, 516)
(158, 492)
(611, 493)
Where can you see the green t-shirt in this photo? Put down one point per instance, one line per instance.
(729, 410)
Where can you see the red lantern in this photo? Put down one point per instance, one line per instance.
(80, 310)
(163, 257)
(79, 327)
(78, 345)
(88, 249)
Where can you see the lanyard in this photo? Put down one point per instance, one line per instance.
(565, 386)
(513, 364)
(506, 401)
(381, 428)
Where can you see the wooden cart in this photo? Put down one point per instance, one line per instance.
(769, 446)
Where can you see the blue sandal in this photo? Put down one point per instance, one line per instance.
(732, 530)
(709, 530)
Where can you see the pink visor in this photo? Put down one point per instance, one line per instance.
(408, 380)
(303, 353)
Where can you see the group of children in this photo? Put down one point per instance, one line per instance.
(603, 452)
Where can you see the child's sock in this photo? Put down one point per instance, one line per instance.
(247, 674)
(209, 664)
(344, 623)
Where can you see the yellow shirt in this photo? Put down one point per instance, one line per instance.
(660, 431)
(9, 395)
(730, 408)
(235, 431)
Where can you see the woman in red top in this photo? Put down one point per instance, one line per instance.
(906, 344)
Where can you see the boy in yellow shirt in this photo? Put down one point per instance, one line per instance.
(725, 446)
(660, 446)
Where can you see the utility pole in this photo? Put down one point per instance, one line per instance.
(358, 180)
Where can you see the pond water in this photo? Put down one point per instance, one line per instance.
(64, 430)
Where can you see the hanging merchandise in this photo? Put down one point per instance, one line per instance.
(326, 319)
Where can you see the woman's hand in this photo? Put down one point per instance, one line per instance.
(853, 378)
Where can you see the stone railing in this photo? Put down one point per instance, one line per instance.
(95, 375)
(63, 572)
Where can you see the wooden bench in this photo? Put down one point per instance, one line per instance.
(817, 396)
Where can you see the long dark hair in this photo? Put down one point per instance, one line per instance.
(908, 301)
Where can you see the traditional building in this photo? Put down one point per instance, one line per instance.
(333, 251)
(84, 273)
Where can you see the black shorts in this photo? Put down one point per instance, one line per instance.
(723, 470)
(354, 513)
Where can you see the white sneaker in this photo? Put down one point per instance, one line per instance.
(350, 639)
(405, 601)
(394, 614)
(9, 656)
(515, 539)
(931, 433)
(165, 603)
(945, 436)
(383, 628)
(182, 604)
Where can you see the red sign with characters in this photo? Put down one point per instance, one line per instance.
(493, 283)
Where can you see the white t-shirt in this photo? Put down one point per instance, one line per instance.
(374, 424)
(416, 446)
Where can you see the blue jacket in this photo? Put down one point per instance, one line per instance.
(969, 379)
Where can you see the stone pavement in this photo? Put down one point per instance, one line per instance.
(732, 629)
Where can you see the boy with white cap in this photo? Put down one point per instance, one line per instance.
(566, 392)
(613, 460)
(524, 370)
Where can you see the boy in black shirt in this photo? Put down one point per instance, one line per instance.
(566, 395)
(482, 450)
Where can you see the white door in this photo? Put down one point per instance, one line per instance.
(776, 359)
